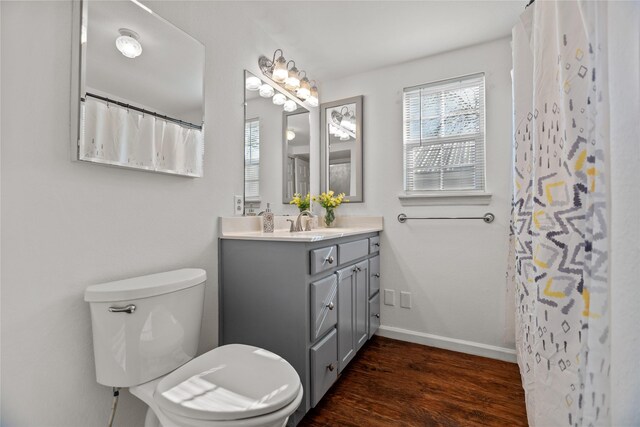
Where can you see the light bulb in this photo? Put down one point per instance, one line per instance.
(305, 89)
(293, 80)
(280, 72)
(313, 98)
(290, 135)
(290, 106)
(344, 137)
(252, 83)
(266, 91)
(279, 99)
(345, 121)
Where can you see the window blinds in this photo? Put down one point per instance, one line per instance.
(443, 135)
(252, 159)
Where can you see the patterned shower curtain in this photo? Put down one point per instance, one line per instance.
(559, 249)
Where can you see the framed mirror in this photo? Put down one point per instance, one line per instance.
(296, 172)
(276, 147)
(341, 148)
(140, 94)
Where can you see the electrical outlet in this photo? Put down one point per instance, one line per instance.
(405, 299)
(238, 205)
(389, 297)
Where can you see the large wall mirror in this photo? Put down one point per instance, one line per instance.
(140, 100)
(277, 157)
(341, 148)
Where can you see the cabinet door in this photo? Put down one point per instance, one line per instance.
(323, 306)
(346, 319)
(361, 300)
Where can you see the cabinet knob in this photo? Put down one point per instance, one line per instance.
(329, 259)
(356, 269)
(376, 315)
(331, 305)
(377, 275)
(377, 244)
(331, 367)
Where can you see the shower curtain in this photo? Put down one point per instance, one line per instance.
(114, 135)
(559, 249)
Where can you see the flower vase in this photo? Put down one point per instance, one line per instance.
(329, 218)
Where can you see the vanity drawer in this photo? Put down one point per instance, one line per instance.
(324, 366)
(324, 310)
(374, 244)
(323, 259)
(353, 250)
(374, 275)
(374, 314)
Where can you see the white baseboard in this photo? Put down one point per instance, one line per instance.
(462, 346)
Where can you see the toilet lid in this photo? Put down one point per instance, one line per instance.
(231, 382)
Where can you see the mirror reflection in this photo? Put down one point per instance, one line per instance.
(142, 91)
(342, 148)
(276, 147)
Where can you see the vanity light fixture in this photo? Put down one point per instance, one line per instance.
(286, 74)
(279, 99)
(290, 105)
(266, 91)
(253, 83)
(291, 135)
(128, 43)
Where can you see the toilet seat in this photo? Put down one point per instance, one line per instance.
(232, 382)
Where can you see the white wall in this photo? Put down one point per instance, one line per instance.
(66, 225)
(455, 270)
(624, 78)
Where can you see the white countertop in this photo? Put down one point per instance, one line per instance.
(250, 228)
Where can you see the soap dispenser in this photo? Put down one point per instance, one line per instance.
(267, 220)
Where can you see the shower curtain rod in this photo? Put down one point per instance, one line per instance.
(143, 111)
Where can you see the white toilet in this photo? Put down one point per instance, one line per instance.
(145, 335)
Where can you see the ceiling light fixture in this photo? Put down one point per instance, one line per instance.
(128, 43)
(286, 75)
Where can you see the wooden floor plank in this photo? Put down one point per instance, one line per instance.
(395, 383)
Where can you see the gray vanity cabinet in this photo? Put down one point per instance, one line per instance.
(309, 302)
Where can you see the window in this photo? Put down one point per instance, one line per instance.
(443, 136)
(252, 159)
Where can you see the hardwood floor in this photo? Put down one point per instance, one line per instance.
(394, 383)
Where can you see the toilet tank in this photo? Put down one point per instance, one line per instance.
(147, 326)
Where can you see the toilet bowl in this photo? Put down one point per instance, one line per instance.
(145, 333)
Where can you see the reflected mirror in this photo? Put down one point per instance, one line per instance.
(276, 148)
(141, 90)
(341, 148)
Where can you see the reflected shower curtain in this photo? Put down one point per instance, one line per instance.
(559, 248)
(114, 135)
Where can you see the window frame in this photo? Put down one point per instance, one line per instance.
(479, 196)
(248, 198)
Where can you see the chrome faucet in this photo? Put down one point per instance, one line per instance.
(298, 226)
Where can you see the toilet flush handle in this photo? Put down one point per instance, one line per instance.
(126, 309)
